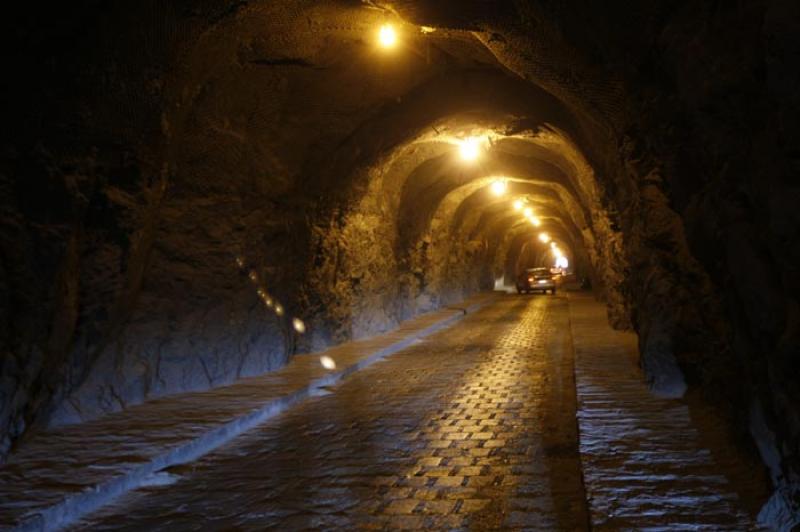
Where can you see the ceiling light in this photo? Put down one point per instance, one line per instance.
(518, 205)
(544, 238)
(387, 37)
(469, 149)
(499, 187)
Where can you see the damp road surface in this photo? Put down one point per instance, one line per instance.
(473, 428)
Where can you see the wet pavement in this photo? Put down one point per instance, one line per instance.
(474, 427)
(530, 414)
(63, 473)
(648, 464)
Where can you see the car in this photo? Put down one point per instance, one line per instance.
(534, 279)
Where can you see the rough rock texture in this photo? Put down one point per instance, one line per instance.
(180, 179)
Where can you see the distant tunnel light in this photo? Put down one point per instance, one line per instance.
(469, 149)
(562, 262)
(544, 238)
(499, 187)
(518, 205)
(387, 36)
(535, 221)
(528, 212)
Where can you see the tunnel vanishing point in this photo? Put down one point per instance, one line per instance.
(195, 192)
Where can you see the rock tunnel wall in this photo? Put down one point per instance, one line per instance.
(175, 166)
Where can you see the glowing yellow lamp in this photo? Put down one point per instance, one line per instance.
(518, 205)
(469, 149)
(544, 238)
(387, 36)
(499, 187)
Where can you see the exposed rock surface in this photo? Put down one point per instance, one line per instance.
(167, 168)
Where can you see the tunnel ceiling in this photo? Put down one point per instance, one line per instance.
(188, 178)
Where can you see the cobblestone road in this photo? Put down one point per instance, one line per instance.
(472, 428)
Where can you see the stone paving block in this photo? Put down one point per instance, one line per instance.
(451, 452)
(469, 471)
(402, 506)
(436, 471)
(455, 494)
(427, 494)
(415, 482)
(449, 482)
(468, 506)
(479, 452)
(438, 507)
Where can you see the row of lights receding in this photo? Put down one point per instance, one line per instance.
(561, 259)
(499, 187)
(470, 148)
(271, 303)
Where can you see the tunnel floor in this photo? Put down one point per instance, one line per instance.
(474, 427)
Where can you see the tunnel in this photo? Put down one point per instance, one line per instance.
(195, 194)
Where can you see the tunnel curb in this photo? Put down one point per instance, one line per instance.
(72, 509)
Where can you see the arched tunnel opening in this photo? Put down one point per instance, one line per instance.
(195, 194)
